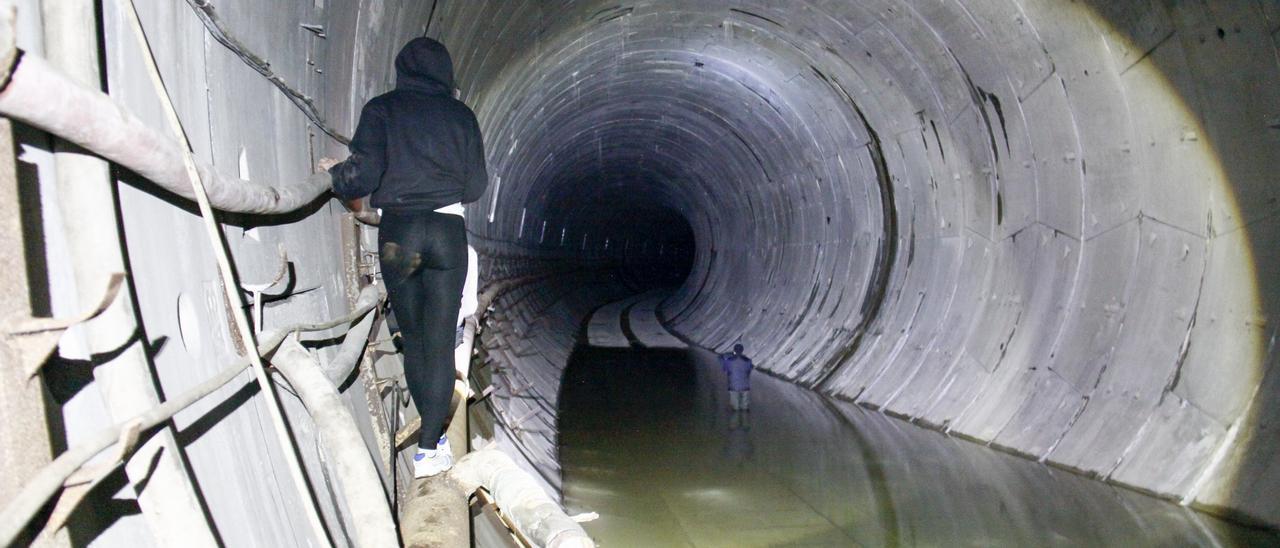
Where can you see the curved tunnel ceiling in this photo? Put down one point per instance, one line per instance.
(1036, 224)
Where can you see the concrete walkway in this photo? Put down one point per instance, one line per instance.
(643, 318)
(605, 328)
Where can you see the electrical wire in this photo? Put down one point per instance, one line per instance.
(205, 12)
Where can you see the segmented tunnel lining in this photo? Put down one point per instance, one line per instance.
(1034, 304)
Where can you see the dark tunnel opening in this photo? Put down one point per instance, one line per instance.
(658, 253)
(613, 220)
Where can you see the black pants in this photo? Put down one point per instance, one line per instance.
(424, 264)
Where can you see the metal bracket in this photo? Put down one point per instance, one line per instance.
(257, 289)
(317, 30)
(483, 395)
(407, 433)
(36, 338)
(77, 486)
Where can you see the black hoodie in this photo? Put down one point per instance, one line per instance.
(416, 148)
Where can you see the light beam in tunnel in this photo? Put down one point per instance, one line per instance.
(1047, 169)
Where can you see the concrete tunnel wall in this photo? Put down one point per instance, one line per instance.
(1042, 225)
(244, 126)
(1045, 226)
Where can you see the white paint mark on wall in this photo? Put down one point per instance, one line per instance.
(493, 205)
(189, 326)
(242, 164)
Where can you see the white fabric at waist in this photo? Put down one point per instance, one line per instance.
(453, 209)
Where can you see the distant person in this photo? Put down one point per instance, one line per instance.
(738, 368)
(419, 153)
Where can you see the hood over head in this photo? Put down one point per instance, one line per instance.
(425, 65)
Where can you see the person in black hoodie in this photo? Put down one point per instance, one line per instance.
(418, 153)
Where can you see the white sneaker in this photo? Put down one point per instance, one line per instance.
(432, 462)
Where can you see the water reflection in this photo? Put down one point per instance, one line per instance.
(649, 442)
(738, 446)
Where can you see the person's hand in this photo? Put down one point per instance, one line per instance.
(325, 163)
(363, 212)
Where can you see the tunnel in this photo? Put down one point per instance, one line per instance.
(1048, 229)
(1037, 226)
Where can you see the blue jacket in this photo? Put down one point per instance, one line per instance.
(738, 368)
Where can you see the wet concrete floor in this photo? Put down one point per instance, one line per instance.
(649, 442)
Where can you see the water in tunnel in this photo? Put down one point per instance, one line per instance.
(1041, 234)
(1046, 228)
(649, 442)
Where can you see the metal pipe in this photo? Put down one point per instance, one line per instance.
(41, 96)
(521, 498)
(86, 199)
(49, 480)
(351, 351)
(361, 484)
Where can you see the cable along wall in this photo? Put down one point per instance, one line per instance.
(238, 124)
(1043, 226)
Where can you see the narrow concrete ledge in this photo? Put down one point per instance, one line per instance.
(604, 329)
(649, 332)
